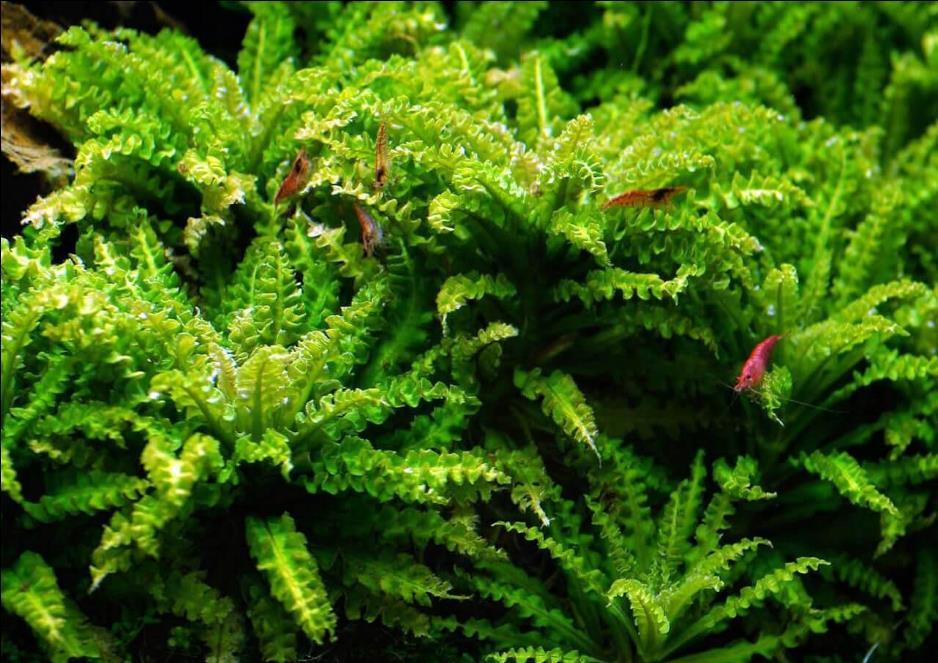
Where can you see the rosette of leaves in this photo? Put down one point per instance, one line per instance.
(222, 468)
(856, 358)
(624, 585)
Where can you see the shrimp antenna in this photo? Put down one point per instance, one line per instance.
(815, 407)
(736, 393)
(733, 399)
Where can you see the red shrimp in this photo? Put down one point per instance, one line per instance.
(644, 197)
(753, 371)
(296, 178)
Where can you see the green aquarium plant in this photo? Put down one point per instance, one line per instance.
(650, 589)
(191, 439)
(410, 318)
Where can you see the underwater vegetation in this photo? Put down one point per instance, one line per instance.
(480, 331)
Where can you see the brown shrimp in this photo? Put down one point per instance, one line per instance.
(296, 178)
(753, 370)
(382, 165)
(644, 197)
(372, 235)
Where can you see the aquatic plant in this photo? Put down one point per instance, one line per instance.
(254, 431)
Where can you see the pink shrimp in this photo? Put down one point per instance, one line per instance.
(753, 371)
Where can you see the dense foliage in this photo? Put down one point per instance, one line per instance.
(231, 433)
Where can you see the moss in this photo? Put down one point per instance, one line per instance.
(446, 378)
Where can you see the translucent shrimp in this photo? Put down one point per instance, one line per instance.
(382, 164)
(296, 179)
(372, 235)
